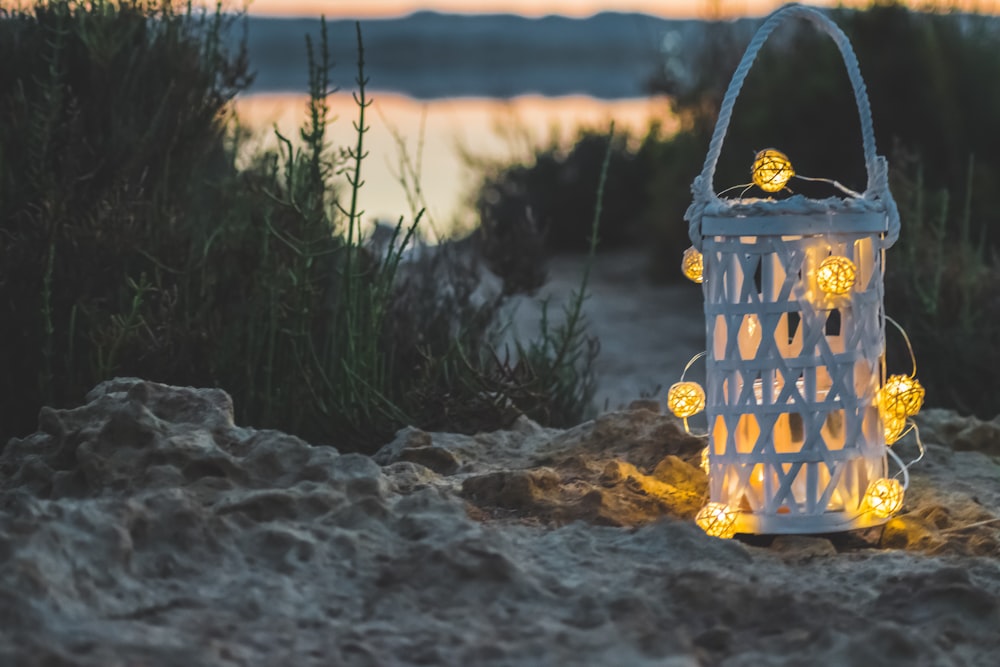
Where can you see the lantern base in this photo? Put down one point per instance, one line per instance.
(786, 524)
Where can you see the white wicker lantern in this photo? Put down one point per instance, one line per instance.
(794, 338)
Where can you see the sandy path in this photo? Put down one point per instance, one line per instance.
(647, 332)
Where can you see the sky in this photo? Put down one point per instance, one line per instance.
(666, 8)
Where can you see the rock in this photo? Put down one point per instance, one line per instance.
(961, 433)
(415, 446)
(802, 548)
(980, 437)
(144, 527)
(681, 474)
(207, 408)
(521, 490)
(909, 531)
(407, 477)
(945, 597)
(648, 404)
(717, 639)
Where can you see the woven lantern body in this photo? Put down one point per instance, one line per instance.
(792, 369)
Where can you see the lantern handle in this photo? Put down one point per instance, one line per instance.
(703, 187)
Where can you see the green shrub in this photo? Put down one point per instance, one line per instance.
(553, 197)
(943, 288)
(132, 245)
(111, 117)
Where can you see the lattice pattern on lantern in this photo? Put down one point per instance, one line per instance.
(791, 383)
(794, 353)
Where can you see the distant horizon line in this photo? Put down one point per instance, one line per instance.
(283, 15)
(529, 17)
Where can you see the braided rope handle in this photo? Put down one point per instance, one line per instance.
(703, 187)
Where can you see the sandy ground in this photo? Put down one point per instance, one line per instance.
(146, 528)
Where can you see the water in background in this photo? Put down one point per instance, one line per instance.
(447, 128)
(447, 86)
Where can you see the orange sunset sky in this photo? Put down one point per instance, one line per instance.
(666, 8)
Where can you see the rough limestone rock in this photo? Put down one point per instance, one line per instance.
(146, 528)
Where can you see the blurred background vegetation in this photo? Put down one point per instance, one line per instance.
(132, 244)
(936, 110)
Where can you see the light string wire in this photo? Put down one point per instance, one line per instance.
(837, 184)
(909, 345)
(687, 367)
(910, 424)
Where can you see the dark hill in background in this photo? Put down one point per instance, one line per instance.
(428, 55)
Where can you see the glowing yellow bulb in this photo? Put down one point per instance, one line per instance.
(693, 265)
(893, 425)
(900, 396)
(686, 399)
(836, 275)
(705, 460)
(884, 497)
(771, 170)
(717, 520)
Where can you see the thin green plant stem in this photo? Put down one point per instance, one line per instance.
(410, 171)
(575, 311)
(357, 155)
(48, 327)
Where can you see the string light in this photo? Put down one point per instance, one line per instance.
(893, 425)
(705, 462)
(900, 396)
(693, 265)
(771, 170)
(884, 497)
(836, 275)
(717, 520)
(685, 399)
